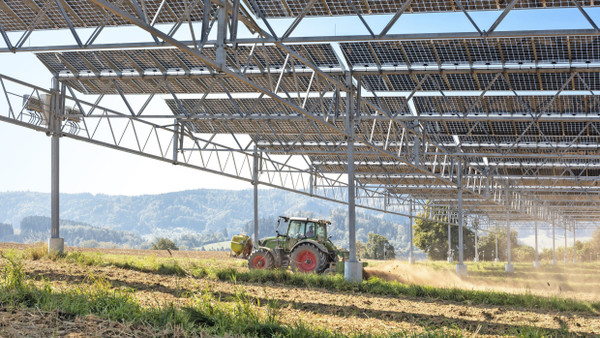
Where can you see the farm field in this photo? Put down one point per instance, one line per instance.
(114, 292)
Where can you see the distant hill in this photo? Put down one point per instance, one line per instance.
(202, 211)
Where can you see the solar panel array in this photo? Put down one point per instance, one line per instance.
(490, 100)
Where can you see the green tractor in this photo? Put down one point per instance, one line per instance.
(304, 246)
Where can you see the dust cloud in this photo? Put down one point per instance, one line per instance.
(579, 282)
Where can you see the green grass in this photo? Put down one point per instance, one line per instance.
(375, 286)
(206, 314)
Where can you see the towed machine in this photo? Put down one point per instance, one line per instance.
(303, 246)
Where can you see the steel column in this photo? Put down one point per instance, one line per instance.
(476, 258)
(553, 243)
(496, 259)
(574, 245)
(450, 259)
(411, 257)
(353, 268)
(566, 250)
(55, 243)
(508, 267)
(221, 57)
(461, 268)
(255, 195)
(536, 262)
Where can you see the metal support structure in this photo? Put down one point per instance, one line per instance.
(221, 57)
(411, 257)
(402, 145)
(536, 262)
(353, 268)
(450, 259)
(461, 268)
(553, 243)
(476, 258)
(508, 267)
(255, 194)
(574, 244)
(55, 243)
(566, 259)
(496, 259)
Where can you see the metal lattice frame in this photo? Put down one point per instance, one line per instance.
(478, 111)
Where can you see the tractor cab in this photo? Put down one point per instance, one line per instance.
(304, 228)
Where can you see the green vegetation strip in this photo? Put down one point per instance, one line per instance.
(206, 314)
(373, 286)
(377, 286)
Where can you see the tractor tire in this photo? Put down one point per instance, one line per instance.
(260, 259)
(307, 258)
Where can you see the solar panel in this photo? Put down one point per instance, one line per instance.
(491, 51)
(291, 8)
(18, 15)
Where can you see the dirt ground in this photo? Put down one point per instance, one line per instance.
(340, 311)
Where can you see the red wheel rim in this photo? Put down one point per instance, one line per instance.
(259, 262)
(306, 261)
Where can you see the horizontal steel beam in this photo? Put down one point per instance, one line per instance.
(317, 39)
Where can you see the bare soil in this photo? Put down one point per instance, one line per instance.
(340, 311)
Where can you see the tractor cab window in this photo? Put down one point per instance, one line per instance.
(296, 229)
(321, 231)
(310, 229)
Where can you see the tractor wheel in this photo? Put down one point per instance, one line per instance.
(260, 259)
(307, 259)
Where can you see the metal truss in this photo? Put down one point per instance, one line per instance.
(28, 106)
(435, 114)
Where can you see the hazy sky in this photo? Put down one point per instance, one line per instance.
(25, 154)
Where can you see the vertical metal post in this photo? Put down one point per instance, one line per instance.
(566, 251)
(411, 257)
(221, 35)
(461, 268)
(450, 259)
(536, 262)
(553, 243)
(574, 245)
(352, 268)
(255, 195)
(311, 182)
(496, 259)
(55, 243)
(175, 141)
(476, 258)
(508, 267)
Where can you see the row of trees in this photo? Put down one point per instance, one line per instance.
(583, 251)
(432, 237)
(377, 247)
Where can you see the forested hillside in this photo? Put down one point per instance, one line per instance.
(195, 217)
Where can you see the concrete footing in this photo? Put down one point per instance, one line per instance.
(56, 245)
(476, 259)
(353, 271)
(536, 264)
(449, 260)
(411, 260)
(496, 260)
(461, 270)
(509, 268)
